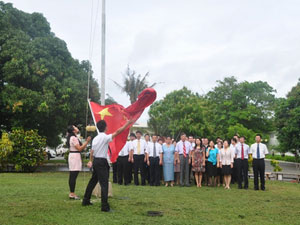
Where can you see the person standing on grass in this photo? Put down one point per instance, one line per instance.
(147, 169)
(168, 161)
(139, 158)
(205, 144)
(212, 155)
(74, 158)
(176, 165)
(259, 151)
(183, 150)
(241, 154)
(234, 174)
(219, 170)
(198, 161)
(226, 163)
(123, 162)
(154, 160)
(98, 160)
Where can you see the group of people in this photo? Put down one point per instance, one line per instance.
(161, 159)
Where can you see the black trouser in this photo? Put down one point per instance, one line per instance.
(123, 170)
(242, 171)
(154, 171)
(72, 180)
(234, 175)
(147, 172)
(138, 164)
(100, 174)
(115, 172)
(259, 168)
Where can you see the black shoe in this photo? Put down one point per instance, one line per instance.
(263, 189)
(256, 189)
(86, 203)
(240, 187)
(187, 185)
(246, 188)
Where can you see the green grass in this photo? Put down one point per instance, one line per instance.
(42, 198)
(284, 158)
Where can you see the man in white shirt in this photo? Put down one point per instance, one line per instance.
(258, 151)
(138, 158)
(154, 160)
(183, 150)
(234, 175)
(124, 161)
(98, 159)
(147, 169)
(241, 154)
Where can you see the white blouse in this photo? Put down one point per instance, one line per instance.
(226, 156)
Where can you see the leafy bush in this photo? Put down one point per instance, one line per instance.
(276, 166)
(28, 150)
(6, 149)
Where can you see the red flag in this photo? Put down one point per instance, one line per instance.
(116, 116)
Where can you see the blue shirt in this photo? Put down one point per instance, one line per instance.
(212, 157)
(168, 153)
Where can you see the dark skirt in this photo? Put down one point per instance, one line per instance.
(226, 169)
(211, 169)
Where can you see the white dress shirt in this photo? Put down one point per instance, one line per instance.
(100, 145)
(125, 150)
(150, 149)
(263, 150)
(179, 147)
(233, 148)
(238, 151)
(226, 156)
(143, 146)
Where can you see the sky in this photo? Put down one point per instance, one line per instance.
(189, 43)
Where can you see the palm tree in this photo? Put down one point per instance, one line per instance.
(133, 84)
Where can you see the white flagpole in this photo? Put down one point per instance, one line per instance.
(103, 55)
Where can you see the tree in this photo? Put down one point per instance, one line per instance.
(288, 121)
(133, 84)
(248, 105)
(180, 111)
(42, 87)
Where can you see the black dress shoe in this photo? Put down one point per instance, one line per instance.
(256, 189)
(240, 187)
(246, 188)
(86, 203)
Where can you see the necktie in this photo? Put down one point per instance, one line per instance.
(242, 151)
(139, 147)
(258, 153)
(184, 150)
(154, 149)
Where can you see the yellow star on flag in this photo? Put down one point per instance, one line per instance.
(104, 112)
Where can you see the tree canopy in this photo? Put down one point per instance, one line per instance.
(42, 86)
(229, 108)
(288, 121)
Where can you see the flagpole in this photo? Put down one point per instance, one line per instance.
(93, 115)
(103, 55)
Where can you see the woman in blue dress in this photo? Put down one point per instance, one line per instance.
(168, 162)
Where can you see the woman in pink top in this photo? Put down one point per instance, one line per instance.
(74, 159)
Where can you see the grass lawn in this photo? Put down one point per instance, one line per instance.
(42, 198)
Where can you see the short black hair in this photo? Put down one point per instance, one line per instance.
(258, 135)
(154, 135)
(182, 134)
(132, 135)
(234, 139)
(242, 137)
(139, 132)
(146, 134)
(101, 125)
